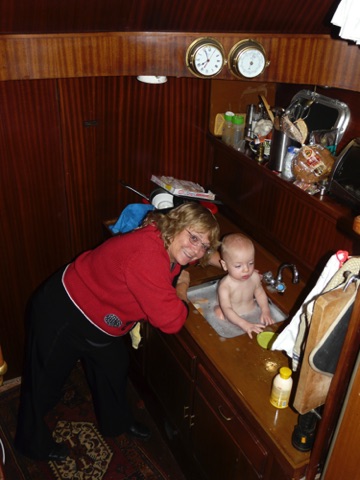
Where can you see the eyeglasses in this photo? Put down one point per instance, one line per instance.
(194, 240)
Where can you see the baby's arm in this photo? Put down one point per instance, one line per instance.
(224, 294)
(263, 302)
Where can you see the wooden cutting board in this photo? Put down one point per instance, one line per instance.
(313, 387)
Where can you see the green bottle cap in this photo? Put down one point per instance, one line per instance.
(238, 119)
(228, 116)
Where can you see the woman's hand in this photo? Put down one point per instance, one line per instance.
(182, 285)
(214, 260)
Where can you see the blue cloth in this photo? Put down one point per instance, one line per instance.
(131, 217)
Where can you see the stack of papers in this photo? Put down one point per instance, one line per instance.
(182, 188)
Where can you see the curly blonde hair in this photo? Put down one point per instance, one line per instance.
(189, 215)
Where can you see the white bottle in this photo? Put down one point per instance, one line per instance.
(228, 128)
(281, 388)
(238, 141)
(286, 172)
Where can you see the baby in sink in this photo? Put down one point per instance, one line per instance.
(243, 303)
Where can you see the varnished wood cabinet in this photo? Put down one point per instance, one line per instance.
(293, 225)
(199, 412)
(222, 443)
(213, 425)
(170, 372)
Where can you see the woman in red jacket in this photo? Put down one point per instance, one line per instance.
(83, 311)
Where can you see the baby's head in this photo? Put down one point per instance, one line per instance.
(237, 255)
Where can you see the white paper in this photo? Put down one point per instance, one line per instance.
(347, 17)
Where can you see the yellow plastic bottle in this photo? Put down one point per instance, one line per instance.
(281, 388)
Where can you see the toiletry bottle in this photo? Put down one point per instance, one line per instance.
(238, 141)
(228, 128)
(281, 388)
(286, 172)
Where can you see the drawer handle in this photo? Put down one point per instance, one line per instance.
(228, 419)
(186, 411)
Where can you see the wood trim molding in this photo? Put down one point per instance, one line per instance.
(308, 59)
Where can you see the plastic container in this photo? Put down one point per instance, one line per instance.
(281, 388)
(287, 173)
(238, 131)
(228, 128)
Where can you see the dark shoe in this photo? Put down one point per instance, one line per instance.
(58, 453)
(140, 431)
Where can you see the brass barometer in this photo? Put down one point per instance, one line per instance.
(247, 59)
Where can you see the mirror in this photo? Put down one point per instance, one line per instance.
(320, 112)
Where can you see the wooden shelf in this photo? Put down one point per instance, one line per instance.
(293, 225)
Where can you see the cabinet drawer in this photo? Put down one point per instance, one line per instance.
(240, 430)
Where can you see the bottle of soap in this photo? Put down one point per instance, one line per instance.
(238, 141)
(281, 388)
(228, 128)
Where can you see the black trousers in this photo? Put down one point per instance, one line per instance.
(58, 335)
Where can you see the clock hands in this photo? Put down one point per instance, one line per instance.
(211, 55)
(200, 58)
(207, 58)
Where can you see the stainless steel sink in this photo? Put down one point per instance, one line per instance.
(204, 299)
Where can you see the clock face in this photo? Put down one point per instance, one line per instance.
(205, 57)
(251, 63)
(208, 60)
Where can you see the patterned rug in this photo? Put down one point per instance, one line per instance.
(92, 457)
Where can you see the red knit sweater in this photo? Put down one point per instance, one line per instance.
(124, 280)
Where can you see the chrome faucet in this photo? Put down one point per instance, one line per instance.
(295, 273)
(278, 283)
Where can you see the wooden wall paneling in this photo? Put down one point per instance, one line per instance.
(139, 116)
(342, 460)
(236, 96)
(81, 119)
(101, 134)
(236, 185)
(185, 15)
(134, 130)
(185, 150)
(306, 59)
(342, 67)
(292, 224)
(34, 235)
